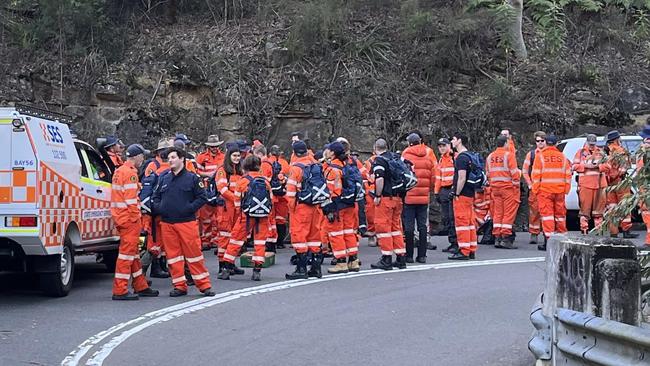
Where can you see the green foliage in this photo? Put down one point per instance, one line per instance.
(317, 27)
(417, 22)
(371, 50)
(641, 24)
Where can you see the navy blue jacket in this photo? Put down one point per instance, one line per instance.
(177, 198)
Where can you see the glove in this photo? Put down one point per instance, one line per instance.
(330, 217)
(452, 195)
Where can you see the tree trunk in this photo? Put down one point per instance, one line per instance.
(516, 35)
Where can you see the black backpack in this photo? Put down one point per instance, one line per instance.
(148, 186)
(277, 187)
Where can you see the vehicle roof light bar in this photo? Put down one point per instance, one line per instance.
(42, 113)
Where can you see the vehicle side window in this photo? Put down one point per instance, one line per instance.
(84, 170)
(561, 146)
(99, 170)
(632, 145)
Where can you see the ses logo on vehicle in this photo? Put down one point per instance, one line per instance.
(51, 134)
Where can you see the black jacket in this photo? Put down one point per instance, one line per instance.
(177, 198)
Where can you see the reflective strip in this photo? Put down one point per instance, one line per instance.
(155, 248)
(237, 194)
(463, 245)
(501, 179)
(259, 242)
(200, 276)
(533, 226)
(224, 234)
(175, 259)
(195, 259)
(291, 194)
(233, 184)
(548, 218)
(223, 190)
(279, 217)
(554, 180)
(451, 178)
(228, 256)
(137, 273)
(506, 226)
(179, 279)
(495, 226)
(272, 240)
(378, 167)
(592, 173)
(236, 242)
(499, 169)
(466, 228)
(314, 244)
(336, 233)
(117, 187)
(348, 231)
(258, 258)
(554, 170)
(627, 220)
(396, 233)
(481, 204)
(122, 276)
(292, 182)
(353, 250)
(386, 252)
(447, 170)
(400, 251)
(560, 219)
(131, 201)
(222, 181)
(273, 227)
(237, 204)
(384, 235)
(119, 205)
(339, 252)
(126, 257)
(299, 245)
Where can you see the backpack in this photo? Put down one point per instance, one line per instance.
(402, 176)
(256, 201)
(214, 196)
(277, 187)
(352, 184)
(313, 189)
(148, 186)
(476, 177)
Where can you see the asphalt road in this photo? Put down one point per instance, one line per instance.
(437, 314)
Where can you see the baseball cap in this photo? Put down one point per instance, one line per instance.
(551, 139)
(413, 139)
(182, 137)
(591, 139)
(135, 150)
(444, 141)
(299, 147)
(336, 147)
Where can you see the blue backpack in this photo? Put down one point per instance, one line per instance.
(476, 177)
(257, 199)
(352, 183)
(314, 189)
(402, 177)
(277, 187)
(148, 186)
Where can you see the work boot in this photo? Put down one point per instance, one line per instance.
(282, 235)
(508, 243)
(499, 243)
(542, 247)
(126, 297)
(613, 236)
(188, 276)
(257, 274)
(409, 259)
(208, 292)
(533, 239)
(315, 270)
(452, 248)
(157, 269)
(340, 267)
(431, 246)
(177, 292)
(234, 270)
(472, 255)
(384, 263)
(353, 264)
(221, 266)
(270, 247)
(225, 272)
(148, 292)
(458, 256)
(294, 260)
(630, 235)
(401, 261)
(333, 261)
(421, 259)
(372, 241)
(301, 268)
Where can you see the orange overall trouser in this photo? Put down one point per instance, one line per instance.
(464, 222)
(245, 226)
(504, 206)
(592, 206)
(553, 211)
(128, 261)
(370, 215)
(613, 199)
(305, 228)
(388, 225)
(208, 224)
(350, 218)
(183, 245)
(226, 221)
(534, 219)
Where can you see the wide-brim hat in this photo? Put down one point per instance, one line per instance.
(613, 135)
(164, 144)
(645, 133)
(213, 140)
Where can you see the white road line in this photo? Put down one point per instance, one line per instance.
(173, 312)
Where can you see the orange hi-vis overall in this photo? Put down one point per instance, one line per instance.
(370, 206)
(592, 183)
(551, 178)
(482, 204)
(618, 165)
(208, 163)
(503, 176)
(154, 245)
(245, 226)
(444, 173)
(125, 209)
(305, 219)
(534, 219)
(342, 247)
(227, 214)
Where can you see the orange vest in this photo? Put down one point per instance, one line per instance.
(551, 172)
(592, 178)
(501, 169)
(528, 166)
(444, 172)
(208, 163)
(125, 204)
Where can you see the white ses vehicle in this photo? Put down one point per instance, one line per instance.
(571, 146)
(55, 194)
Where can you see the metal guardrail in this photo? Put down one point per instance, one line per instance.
(583, 339)
(541, 342)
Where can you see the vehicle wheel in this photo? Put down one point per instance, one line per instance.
(110, 260)
(59, 283)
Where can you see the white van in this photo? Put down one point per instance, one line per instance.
(570, 147)
(55, 194)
